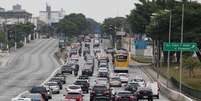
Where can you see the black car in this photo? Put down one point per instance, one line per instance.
(68, 68)
(87, 71)
(61, 76)
(39, 89)
(132, 87)
(99, 91)
(85, 77)
(84, 84)
(125, 96)
(145, 93)
(62, 79)
(103, 74)
(58, 81)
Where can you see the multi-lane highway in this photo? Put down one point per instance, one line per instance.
(29, 66)
(133, 71)
(32, 64)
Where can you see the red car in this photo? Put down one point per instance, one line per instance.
(74, 96)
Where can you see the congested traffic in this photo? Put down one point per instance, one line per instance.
(94, 72)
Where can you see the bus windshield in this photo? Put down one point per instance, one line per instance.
(121, 58)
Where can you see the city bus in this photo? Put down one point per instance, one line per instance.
(121, 61)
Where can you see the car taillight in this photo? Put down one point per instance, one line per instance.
(118, 97)
(106, 92)
(132, 97)
(93, 92)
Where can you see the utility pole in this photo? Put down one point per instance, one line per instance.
(181, 57)
(169, 38)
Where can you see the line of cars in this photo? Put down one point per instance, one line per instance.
(81, 85)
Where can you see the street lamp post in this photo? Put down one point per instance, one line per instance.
(169, 40)
(181, 57)
(156, 54)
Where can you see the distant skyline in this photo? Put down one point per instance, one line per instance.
(96, 9)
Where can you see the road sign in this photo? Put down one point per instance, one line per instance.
(180, 46)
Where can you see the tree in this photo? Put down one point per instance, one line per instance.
(72, 24)
(110, 25)
(159, 24)
(92, 26)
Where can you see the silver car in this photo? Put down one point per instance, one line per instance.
(54, 87)
(115, 82)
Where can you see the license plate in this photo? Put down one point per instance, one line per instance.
(71, 100)
(145, 96)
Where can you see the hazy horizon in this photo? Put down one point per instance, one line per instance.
(95, 9)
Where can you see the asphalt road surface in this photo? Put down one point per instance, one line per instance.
(133, 71)
(29, 66)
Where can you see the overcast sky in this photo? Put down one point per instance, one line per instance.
(96, 9)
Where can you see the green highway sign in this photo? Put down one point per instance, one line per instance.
(180, 46)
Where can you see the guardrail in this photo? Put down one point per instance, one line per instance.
(171, 94)
(192, 92)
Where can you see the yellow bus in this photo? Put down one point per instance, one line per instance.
(121, 61)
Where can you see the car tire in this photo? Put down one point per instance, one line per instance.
(91, 99)
(150, 99)
(157, 96)
(49, 97)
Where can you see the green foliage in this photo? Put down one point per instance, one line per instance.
(111, 24)
(74, 24)
(159, 24)
(190, 64)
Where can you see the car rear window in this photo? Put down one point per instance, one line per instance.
(116, 78)
(100, 88)
(74, 87)
(124, 93)
(80, 82)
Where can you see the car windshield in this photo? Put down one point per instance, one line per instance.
(74, 87)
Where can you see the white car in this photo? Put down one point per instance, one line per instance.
(155, 89)
(103, 69)
(123, 77)
(115, 81)
(74, 58)
(74, 88)
(54, 87)
(139, 81)
(101, 81)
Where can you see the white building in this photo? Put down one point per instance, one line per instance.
(50, 17)
(14, 16)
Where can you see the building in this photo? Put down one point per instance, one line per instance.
(50, 16)
(14, 16)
